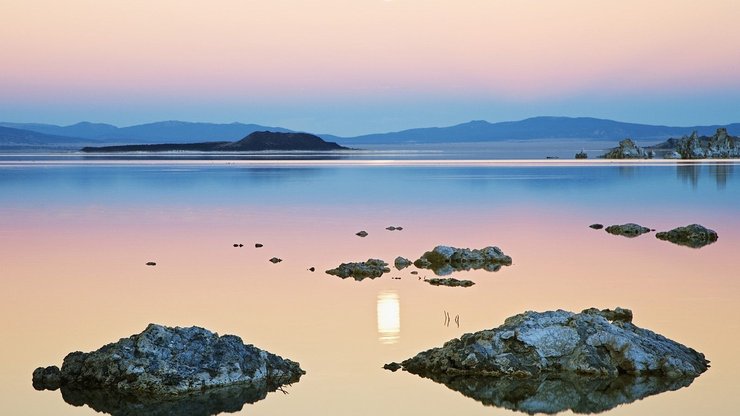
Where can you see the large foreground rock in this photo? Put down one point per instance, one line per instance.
(164, 361)
(444, 260)
(592, 343)
(371, 268)
(694, 236)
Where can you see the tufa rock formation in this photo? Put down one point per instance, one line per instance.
(451, 282)
(630, 230)
(164, 361)
(371, 268)
(444, 260)
(694, 236)
(627, 149)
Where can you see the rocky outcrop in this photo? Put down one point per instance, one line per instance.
(581, 155)
(694, 236)
(451, 282)
(629, 230)
(444, 260)
(719, 146)
(164, 361)
(371, 268)
(401, 263)
(627, 149)
(592, 343)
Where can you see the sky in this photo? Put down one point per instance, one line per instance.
(351, 67)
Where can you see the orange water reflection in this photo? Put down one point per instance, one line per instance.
(75, 283)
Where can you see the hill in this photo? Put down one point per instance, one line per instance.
(257, 141)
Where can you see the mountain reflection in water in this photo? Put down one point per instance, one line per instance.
(582, 395)
(207, 403)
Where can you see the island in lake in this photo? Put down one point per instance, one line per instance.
(257, 141)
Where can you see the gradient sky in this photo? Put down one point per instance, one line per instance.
(351, 67)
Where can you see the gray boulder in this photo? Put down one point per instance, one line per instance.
(444, 260)
(371, 268)
(629, 230)
(694, 236)
(592, 343)
(627, 149)
(164, 361)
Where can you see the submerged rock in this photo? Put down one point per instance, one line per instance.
(452, 282)
(629, 230)
(592, 343)
(165, 361)
(694, 236)
(371, 268)
(627, 149)
(444, 260)
(402, 263)
(597, 226)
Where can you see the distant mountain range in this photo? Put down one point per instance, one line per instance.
(33, 134)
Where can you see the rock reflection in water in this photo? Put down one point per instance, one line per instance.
(583, 395)
(210, 402)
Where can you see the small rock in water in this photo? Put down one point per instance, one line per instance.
(597, 226)
(629, 230)
(451, 282)
(361, 234)
(311, 269)
(258, 245)
(401, 263)
(241, 245)
(276, 260)
(694, 236)
(151, 263)
(414, 272)
(236, 245)
(371, 268)
(444, 260)
(49, 378)
(391, 228)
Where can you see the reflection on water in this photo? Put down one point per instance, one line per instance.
(389, 317)
(721, 173)
(210, 402)
(554, 395)
(690, 173)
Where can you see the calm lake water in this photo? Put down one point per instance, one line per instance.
(75, 235)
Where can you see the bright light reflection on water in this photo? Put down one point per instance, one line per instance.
(389, 317)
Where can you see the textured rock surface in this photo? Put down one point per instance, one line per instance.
(165, 361)
(630, 230)
(47, 378)
(581, 395)
(627, 149)
(591, 343)
(719, 146)
(371, 268)
(444, 260)
(401, 263)
(449, 282)
(694, 235)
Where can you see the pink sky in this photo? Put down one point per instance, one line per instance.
(180, 59)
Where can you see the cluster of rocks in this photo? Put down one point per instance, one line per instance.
(719, 146)
(371, 268)
(444, 260)
(627, 149)
(451, 282)
(694, 235)
(593, 343)
(164, 361)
